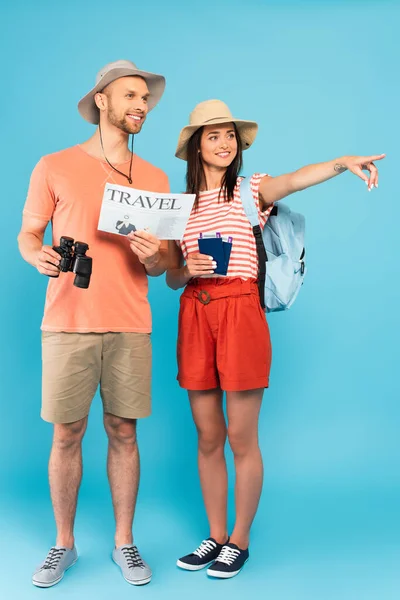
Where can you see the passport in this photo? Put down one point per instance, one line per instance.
(219, 250)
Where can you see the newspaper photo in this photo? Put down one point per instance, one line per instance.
(125, 209)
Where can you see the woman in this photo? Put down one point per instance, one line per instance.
(223, 339)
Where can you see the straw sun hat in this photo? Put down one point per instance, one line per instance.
(214, 112)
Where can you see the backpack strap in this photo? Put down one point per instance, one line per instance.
(251, 211)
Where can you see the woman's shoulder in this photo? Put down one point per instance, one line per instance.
(255, 179)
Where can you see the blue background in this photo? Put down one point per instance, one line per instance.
(321, 78)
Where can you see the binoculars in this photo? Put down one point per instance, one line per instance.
(73, 258)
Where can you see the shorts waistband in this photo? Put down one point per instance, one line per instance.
(208, 289)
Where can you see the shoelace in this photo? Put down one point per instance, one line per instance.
(132, 557)
(228, 555)
(53, 558)
(205, 547)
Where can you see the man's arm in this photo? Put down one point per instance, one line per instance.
(152, 253)
(159, 265)
(30, 242)
(273, 189)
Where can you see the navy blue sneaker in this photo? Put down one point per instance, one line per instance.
(203, 556)
(229, 563)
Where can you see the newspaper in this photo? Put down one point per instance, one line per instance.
(125, 209)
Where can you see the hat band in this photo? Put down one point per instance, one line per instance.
(228, 118)
(224, 118)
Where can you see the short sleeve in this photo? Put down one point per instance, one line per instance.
(255, 181)
(165, 184)
(41, 200)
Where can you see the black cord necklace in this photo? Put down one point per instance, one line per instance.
(128, 177)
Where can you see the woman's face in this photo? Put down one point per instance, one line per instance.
(218, 145)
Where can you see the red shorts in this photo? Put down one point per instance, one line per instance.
(223, 338)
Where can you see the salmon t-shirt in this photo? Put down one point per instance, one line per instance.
(67, 188)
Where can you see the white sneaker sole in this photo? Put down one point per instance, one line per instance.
(187, 567)
(47, 585)
(138, 581)
(224, 574)
(141, 582)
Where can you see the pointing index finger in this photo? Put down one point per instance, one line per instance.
(375, 157)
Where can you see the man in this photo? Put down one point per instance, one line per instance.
(100, 335)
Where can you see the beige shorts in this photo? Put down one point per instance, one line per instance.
(75, 364)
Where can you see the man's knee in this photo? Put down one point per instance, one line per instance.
(68, 435)
(120, 431)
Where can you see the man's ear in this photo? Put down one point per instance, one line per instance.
(100, 100)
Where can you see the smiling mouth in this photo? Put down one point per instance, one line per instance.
(223, 154)
(135, 118)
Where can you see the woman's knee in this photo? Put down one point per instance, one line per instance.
(212, 440)
(242, 442)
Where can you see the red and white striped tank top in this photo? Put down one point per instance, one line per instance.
(229, 219)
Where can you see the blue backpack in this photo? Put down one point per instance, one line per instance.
(280, 250)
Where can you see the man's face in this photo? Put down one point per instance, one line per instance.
(126, 101)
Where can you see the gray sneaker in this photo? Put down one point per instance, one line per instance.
(52, 570)
(134, 569)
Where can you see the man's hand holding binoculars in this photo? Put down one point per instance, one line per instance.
(48, 262)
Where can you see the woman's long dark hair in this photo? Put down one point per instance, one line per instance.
(195, 176)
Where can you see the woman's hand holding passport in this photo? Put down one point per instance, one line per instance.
(218, 248)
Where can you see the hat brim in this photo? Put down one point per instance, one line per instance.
(247, 131)
(87, 106)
